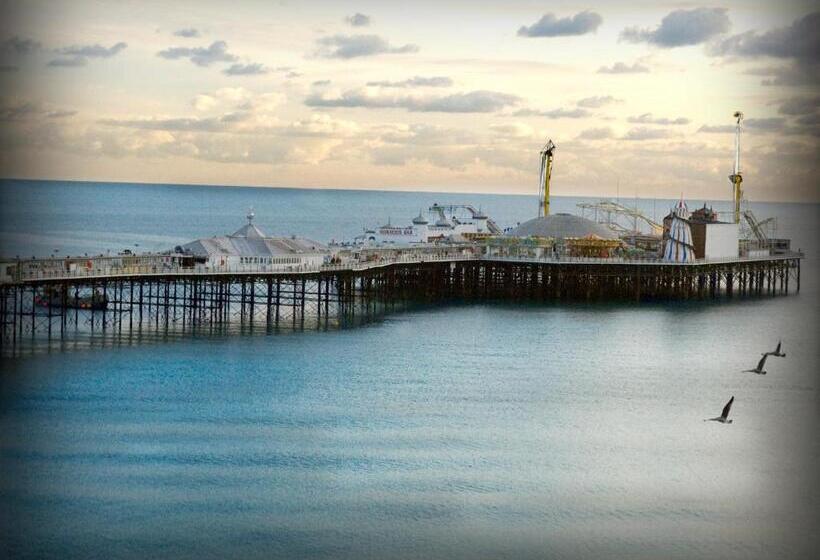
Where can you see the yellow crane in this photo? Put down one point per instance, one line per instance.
(544, 179)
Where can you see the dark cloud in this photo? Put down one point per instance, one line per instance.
(416, 81)
(770, 123)
(70, 62)
(681, 28)
(802, 73)
(550, 26)
(358, 20)
(9, 68)
(352, 46)
(78, 55)
(93, 51)
(480, 101)
(18, 45)
(188, 32)
(798, 45)
(623, 68)
(60, 114)
(800, 41)
(321, 83)
(253, 69)
(554, 113)
(597, 101)
(812, 120)
(201, 56)
(799, 106)
(595, 134)
(647, 118)
(17, 111)
(22, 110)
(643, 133)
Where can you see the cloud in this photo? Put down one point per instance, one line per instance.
(512, 130)
(481, 101)
(416, 81)
(18, 110)
(800, 73)
(188, 32)
(768, 124)
(799, 106)
(352, 46)
(597, 101)
(643, 133)
(553, 113)
(358, 20)
(9, 68)
(321, 83)
(78, 55)
(550, 26)
(253, 69)
(800, 41)
(682, 28)
(15, 111)
(595, 134)
(18, 45)
(647, 118)
(717, 129)
(201, 56)
(71, 62)
(623, 68)
(60, 114)
(93, 51)
(187, 124)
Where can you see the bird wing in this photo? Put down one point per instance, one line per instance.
(762, 362)
(777, 350)
(727, 408)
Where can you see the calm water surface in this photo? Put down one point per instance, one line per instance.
(465, 431)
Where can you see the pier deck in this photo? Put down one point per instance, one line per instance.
(174, 297)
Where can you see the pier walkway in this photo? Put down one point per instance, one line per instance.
(104, 268)
(57, 297)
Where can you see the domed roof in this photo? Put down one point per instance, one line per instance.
(561, 226)
(420, 219)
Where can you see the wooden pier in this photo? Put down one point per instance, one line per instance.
(336, 296)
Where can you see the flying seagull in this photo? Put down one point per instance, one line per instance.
(759, 369)
(724, 416)
(777, 353)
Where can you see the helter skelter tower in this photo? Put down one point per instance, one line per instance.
(678, 245)
(736, 178)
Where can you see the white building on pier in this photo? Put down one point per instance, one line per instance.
(251, 247)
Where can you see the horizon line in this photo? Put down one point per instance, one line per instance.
(388, 189)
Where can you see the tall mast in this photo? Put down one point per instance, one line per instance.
(544, 179)
(736, 178)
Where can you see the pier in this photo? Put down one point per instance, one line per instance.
(165, 296)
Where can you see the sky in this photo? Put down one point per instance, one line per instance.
(440, 96)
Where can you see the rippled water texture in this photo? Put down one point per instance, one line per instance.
(464, 431)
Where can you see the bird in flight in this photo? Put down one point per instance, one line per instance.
(777, 353)
(724, 416)
(759, 369)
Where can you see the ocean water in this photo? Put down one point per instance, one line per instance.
(459, 431)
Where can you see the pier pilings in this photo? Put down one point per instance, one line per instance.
(324, 299)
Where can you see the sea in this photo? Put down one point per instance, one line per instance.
(475, 431)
